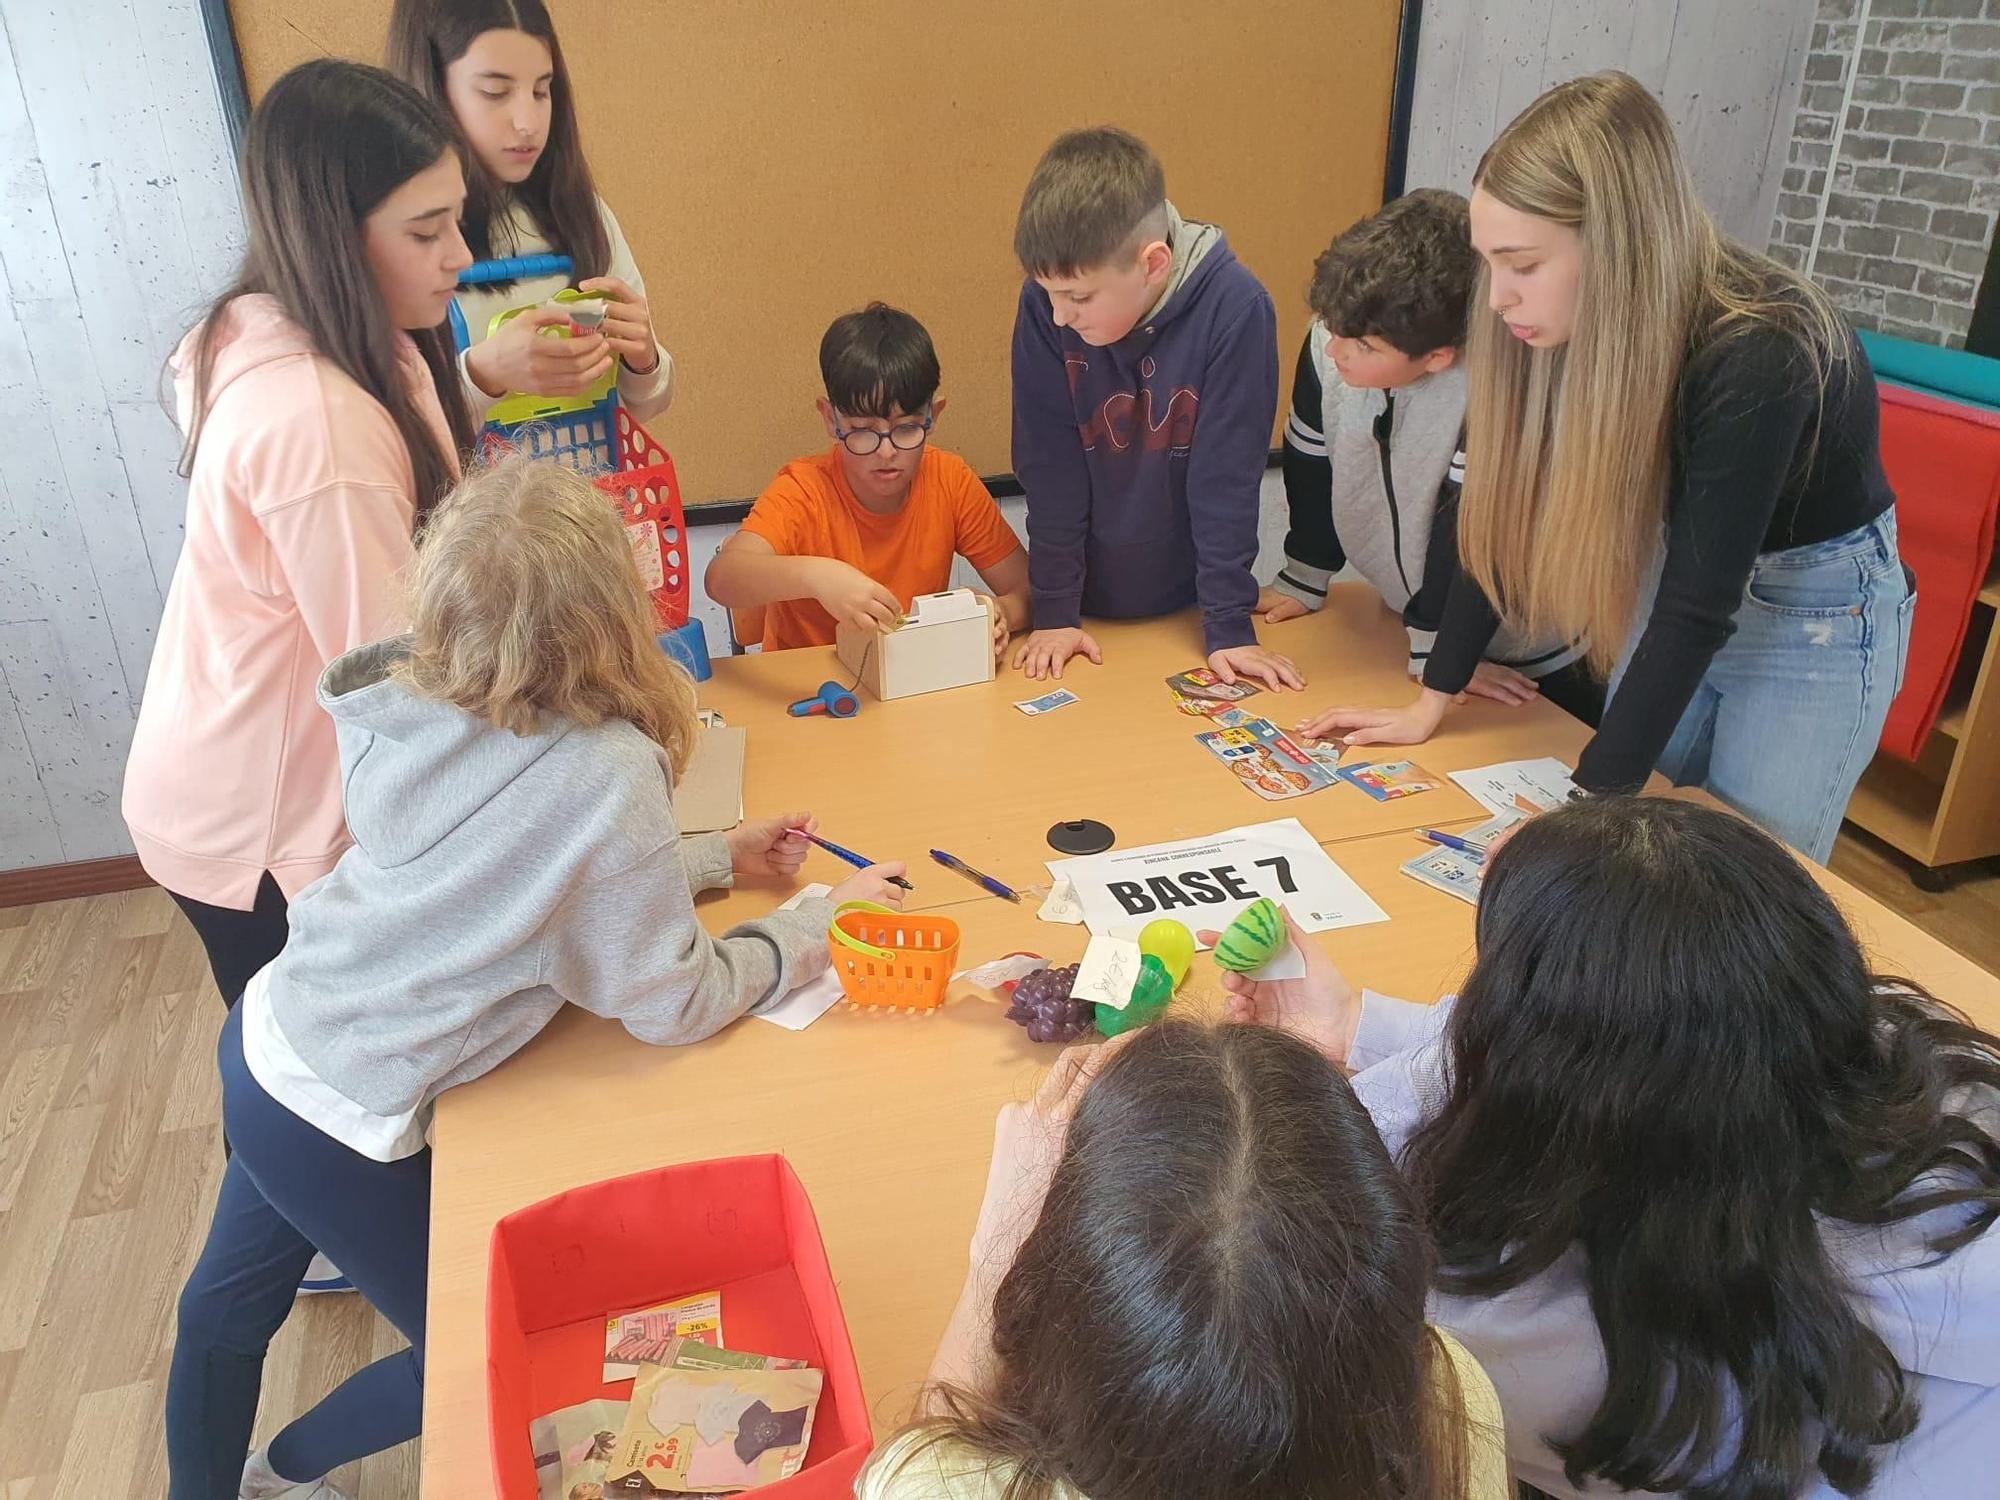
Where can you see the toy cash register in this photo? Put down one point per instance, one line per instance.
(945, 641)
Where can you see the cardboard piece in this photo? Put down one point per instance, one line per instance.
(709, 798)
(945, 641)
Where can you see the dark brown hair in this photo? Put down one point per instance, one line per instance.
(1402, 275)
(428, 36)
(1673, 1057)
(327, 143)
(1223, 1298)
(1093, 194)
(877, 361)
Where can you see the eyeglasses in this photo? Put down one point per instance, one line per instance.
(862, 441)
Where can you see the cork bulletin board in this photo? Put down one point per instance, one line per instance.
(775, 164)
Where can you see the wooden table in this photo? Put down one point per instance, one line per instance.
(888, 1117)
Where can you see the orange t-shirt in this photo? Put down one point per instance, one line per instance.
(809, 511)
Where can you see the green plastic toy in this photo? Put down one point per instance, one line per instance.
(1253, 939)
(1150, 993)
(517, 407)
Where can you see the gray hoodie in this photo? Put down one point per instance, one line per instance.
(1387, 532)
(495, 876)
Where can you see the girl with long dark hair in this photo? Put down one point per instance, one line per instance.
(323, 420)
(496, 70)
(1196, 1274)
(1712, 1199)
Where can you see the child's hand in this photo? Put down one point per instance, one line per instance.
(1267, 667)
(1028, 1141)
(871, 884)
(1001, 634)
(1502, 685)
(1410, 725)
(1043, 653)
(1320, 1007)
(519, 358)
(1275, 606)
(853, 598)
(768, 846)
(628, 324)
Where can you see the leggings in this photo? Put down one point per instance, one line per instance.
(291, 1187)
(238, 943)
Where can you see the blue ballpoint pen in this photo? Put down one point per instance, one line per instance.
(953, 862)
(1452, 841)
(859, 861)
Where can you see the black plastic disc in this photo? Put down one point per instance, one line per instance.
(1080, 836)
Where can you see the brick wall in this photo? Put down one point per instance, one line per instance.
(1910, 197)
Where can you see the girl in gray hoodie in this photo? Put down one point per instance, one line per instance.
(507, 771)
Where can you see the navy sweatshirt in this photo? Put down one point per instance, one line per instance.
(1142, 460)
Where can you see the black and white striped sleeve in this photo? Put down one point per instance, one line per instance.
(1312, 549)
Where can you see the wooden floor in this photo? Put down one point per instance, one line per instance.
(110, 1153)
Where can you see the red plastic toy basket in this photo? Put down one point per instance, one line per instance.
(559, 1268)
(643, 485)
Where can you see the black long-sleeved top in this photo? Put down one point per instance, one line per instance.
(1756, 466)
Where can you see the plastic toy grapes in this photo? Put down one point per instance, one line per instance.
(1043, 1005)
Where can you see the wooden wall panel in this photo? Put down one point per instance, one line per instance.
(775, 165)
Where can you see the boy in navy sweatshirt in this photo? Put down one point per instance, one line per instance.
(1145, 388)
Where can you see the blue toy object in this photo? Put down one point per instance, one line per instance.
(1951, 373)
(688, 645)
(832, 700)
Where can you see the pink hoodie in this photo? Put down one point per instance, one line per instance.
(300, 513)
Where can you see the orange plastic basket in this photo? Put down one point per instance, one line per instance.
(886, 957)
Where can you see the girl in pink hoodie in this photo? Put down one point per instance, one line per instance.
(323, 419)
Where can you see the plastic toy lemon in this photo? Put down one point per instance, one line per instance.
(1171, 943)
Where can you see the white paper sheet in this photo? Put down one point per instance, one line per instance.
(1206, 882)
(1061, 905)
(1286, 963)
(1519, 786)
(813, 999)
(996, 972)
(1108, 971)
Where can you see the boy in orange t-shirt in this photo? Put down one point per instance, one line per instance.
(855, 533)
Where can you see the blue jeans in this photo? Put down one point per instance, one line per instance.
(1788, 714)
(288, 1189)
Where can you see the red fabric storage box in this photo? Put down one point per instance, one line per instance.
(559, 1268)
(1943, 461)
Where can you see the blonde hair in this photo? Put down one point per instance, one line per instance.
(1568, 449)
(526, 603)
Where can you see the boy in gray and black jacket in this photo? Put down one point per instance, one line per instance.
(1374, 444)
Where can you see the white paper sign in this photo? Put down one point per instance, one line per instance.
(1206, 882)
(1519, 786)
(998, 971)
(1109, 969)
(1061, 905)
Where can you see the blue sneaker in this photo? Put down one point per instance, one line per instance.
(323, 1276)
